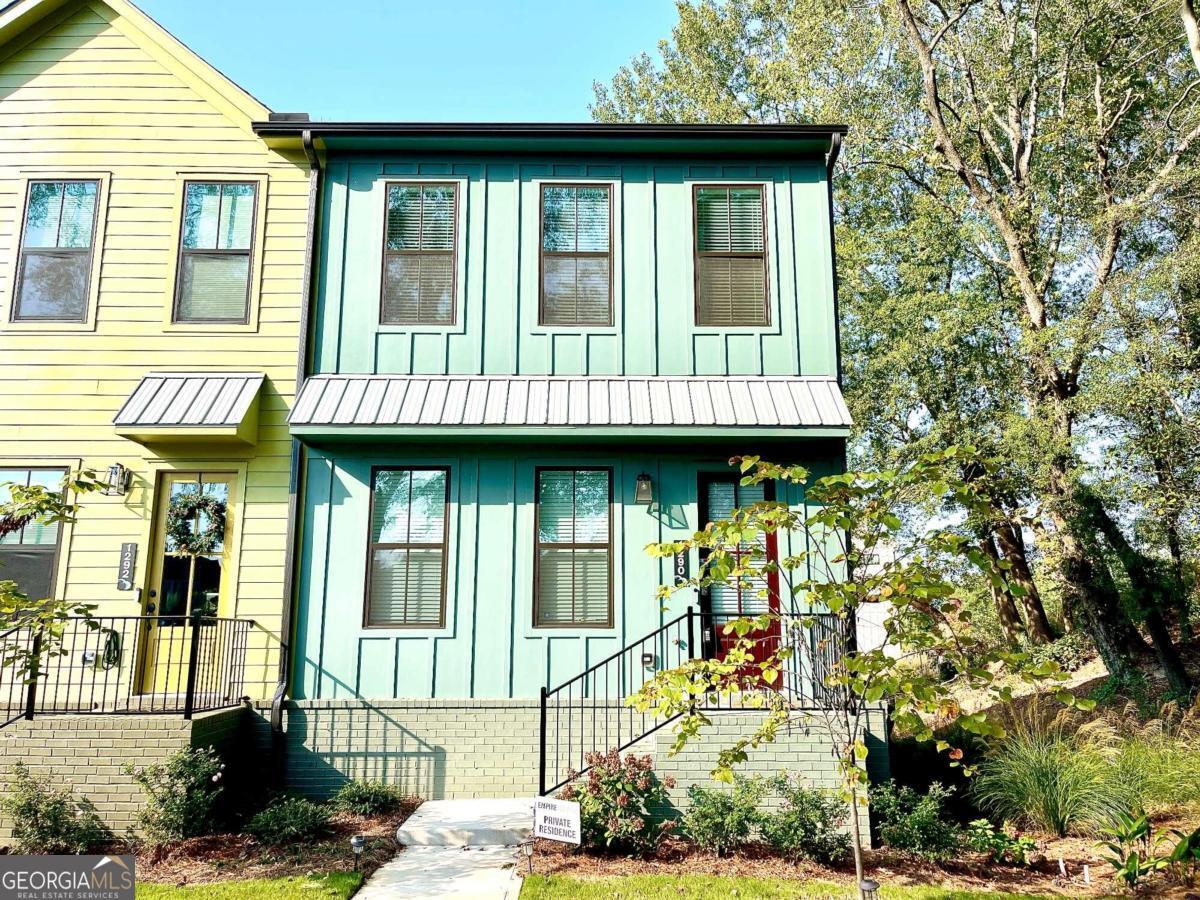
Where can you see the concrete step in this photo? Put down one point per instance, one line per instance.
(423, 873)
(502, 822)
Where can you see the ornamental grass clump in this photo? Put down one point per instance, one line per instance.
(617, 798)
(1045, 775)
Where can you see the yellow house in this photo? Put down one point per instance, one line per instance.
(153, 269)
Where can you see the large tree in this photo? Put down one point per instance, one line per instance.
(1010, 172)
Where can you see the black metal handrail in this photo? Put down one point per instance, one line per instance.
(588, 714)
(128, 664)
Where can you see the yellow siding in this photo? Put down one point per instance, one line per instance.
(93, 91)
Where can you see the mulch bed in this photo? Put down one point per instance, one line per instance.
(968, 871)
(226, 857)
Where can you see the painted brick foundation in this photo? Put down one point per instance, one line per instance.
(489, 748)
(88, 753)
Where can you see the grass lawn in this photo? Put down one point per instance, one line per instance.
(704, 887)
(314, 887)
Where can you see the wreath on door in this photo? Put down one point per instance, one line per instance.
(183, 515)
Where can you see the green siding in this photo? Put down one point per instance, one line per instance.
(497, 330)
(489, 647)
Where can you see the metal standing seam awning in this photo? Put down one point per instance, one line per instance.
(191, 407)
(415, 405)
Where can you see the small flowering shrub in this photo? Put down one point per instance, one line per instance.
(615, 799)
(49, 820)
(182, 795)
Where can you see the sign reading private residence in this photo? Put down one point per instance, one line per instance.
(556, 820)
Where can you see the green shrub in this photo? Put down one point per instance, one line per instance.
(289, 820)
(616, 798)
(50, 820)
(1041, 776)
(719, 820)
(998, 844)
(915, 822)
(368, 798)
(808, 825)
(182, 795)
(1071, 651)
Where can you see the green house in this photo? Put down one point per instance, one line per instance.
(532, 350)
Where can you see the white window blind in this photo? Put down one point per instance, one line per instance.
(574, 549)
(406, 584)
(731, 271)
(418, 277)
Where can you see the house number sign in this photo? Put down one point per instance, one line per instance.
(683, 567)
(126, 567)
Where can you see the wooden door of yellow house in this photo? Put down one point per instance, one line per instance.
(190, 575)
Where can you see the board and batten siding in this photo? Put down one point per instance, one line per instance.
(489, 647)
(93, 91)
(497, 332)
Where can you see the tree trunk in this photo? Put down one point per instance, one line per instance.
(1006, 609)
(1192, 30)
(1012, 548)
(1182, 606)
(1149, 591)
(1090, 601)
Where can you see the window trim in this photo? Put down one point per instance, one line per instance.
(8, 294)
(388, 184)
(697, 255)
(55, 551)
(591, 254)
(181, 252)
(22, 251)
(538, 545)
(372, 546)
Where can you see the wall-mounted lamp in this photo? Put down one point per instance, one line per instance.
(118, 481)
(644, 491)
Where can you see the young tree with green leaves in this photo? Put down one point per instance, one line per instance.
(859, 556)
(47, 617)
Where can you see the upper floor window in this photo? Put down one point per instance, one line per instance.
(576, 255)
(731, 256)
(406, 570)
(573, 558)
(55, 264)
(418, 255)
(213, 284)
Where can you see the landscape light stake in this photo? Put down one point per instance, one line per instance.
(357, 843)
(868, 889)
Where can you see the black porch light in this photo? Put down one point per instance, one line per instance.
(643, 492)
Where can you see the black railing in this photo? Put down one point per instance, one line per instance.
(131, 664)
(588, 713)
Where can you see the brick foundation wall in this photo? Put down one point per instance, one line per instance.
(489, 748)
(88, 754)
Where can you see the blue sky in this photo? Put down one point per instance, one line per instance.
(435, 60)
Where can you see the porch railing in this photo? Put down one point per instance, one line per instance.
(130, 664)
(588, 714)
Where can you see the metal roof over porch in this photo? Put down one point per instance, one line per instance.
(190, 406)
(348, 404)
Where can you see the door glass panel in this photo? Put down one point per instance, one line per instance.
(192, 584)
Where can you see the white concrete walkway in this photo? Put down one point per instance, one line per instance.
(456, 848)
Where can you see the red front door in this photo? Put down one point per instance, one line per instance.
(720, 495)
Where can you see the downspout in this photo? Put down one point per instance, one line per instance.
(295, 476)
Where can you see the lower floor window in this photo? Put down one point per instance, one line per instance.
(573, 557)
(28, 554)
(406, 569)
